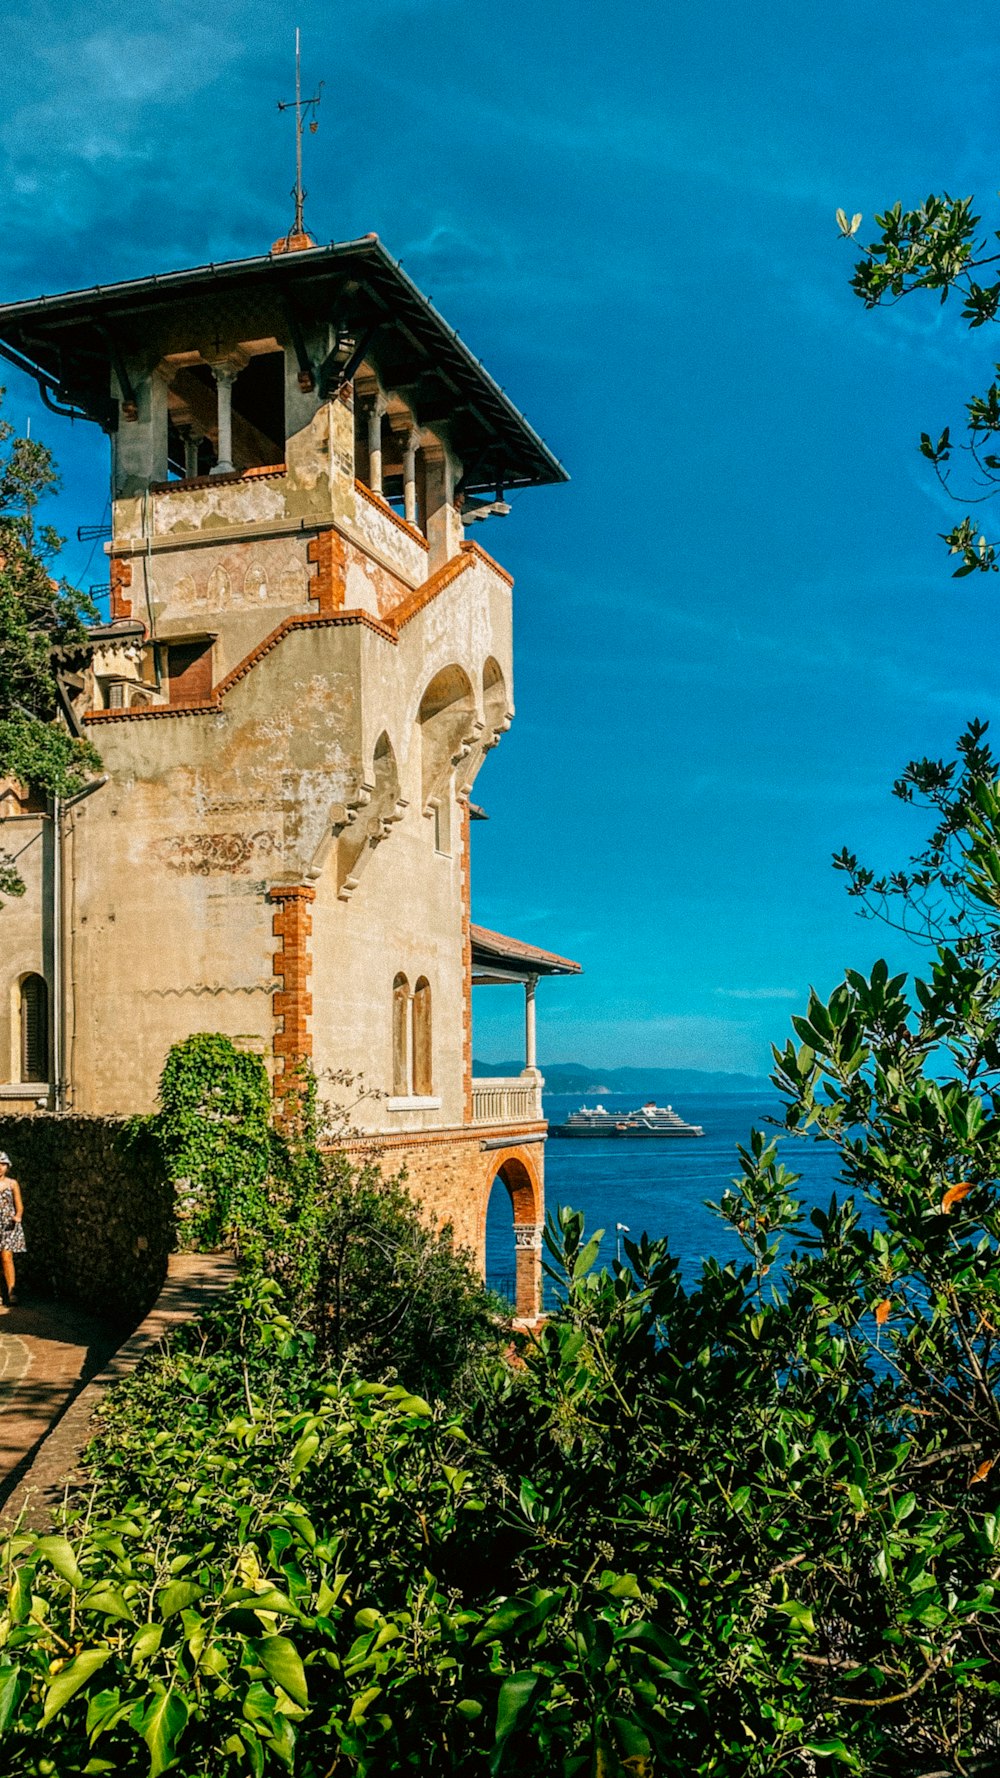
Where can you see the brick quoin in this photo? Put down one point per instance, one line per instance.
(329, 583)
(291, 924)
(121, 577)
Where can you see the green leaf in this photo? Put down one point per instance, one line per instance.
(109, 1603)
(835, 1749)
(415, 1404)
(517, 1694)
(146, 1641)
(177, 1597)
(584, 1261)
(162, 1727)
(304, 1453)
(19, 1597)
(801, 1615)
(58, 1552)
(282, 1662)
(8, 1695)
(68, 1682)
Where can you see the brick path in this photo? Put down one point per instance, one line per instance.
(55, 1364)
(48, 1351)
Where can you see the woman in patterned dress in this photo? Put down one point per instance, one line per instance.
(11, 1232)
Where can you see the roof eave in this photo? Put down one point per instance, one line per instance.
(80, 305)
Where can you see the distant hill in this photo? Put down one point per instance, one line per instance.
(573, 1077)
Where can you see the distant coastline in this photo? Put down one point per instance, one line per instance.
(574, 1077)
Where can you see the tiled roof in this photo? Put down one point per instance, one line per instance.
(498, 949)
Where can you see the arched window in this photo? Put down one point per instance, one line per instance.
(423, 1073)
(34, 1017)
(400, 1037)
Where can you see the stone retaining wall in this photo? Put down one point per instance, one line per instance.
(98, 1210)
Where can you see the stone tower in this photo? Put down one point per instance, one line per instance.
(307, 659)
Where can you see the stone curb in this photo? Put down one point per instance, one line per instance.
(193, 1281)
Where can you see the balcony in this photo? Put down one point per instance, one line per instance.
(507, 1101)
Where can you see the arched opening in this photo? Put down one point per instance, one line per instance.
(501, 1274)
(423, 1069)
(400, 1037)
(513, 1243)
(448, 725)
(34, 1029)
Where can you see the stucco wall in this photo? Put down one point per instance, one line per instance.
(25, 939)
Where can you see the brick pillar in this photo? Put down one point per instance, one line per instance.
(121, 577)
(466, 868)
(528, 1270)
(327, 586)
(292, 927)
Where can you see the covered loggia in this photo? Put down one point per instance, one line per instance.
(513, 1097)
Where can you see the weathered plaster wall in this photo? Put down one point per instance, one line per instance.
(25, 947)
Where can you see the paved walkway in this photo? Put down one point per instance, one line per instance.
(48, 1351)
(55, 1364)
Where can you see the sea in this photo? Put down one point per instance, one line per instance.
(658, 1186)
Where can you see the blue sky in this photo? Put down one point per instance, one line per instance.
(735, 625)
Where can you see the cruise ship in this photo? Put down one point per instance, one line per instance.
(648, 1120)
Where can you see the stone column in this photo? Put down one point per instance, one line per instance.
(192, 440)
(528, 1270)
(410, 477)
(225, 376)
(530, 1050)
(375, 413)
(444, 526)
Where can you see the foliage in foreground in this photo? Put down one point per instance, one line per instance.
(941, 246)
(38, 616)
(747, 1527)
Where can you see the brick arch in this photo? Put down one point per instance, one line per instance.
(516, 1170)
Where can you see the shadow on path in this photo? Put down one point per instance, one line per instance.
(48, 1352)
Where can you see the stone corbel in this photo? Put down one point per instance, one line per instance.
(357, 838)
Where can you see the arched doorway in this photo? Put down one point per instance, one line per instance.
(513, 1235)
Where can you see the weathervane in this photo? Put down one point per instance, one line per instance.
(304, 109)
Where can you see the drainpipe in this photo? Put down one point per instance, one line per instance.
(60, 805)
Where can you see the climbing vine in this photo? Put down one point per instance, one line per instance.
(215, 1134)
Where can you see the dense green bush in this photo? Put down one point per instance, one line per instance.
(376, 1288)
(740, 1530)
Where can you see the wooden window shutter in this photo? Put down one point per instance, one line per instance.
(34, 1029)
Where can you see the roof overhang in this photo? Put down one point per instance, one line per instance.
(497, 958)
(69, 343)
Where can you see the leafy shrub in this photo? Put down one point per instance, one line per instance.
(735, 1530)
(377, 1289)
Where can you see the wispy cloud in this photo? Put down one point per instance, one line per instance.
(758, 993)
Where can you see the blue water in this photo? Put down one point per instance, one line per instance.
(657, 1187)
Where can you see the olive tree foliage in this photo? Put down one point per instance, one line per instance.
(741, 1526)
(942, 246)
(39, 615)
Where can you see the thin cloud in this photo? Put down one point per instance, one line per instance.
(758, 993)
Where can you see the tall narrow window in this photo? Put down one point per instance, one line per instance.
(400, 1037)
(34, 1029)
(423, 1074)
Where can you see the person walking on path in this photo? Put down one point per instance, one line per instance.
(11, 1232)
